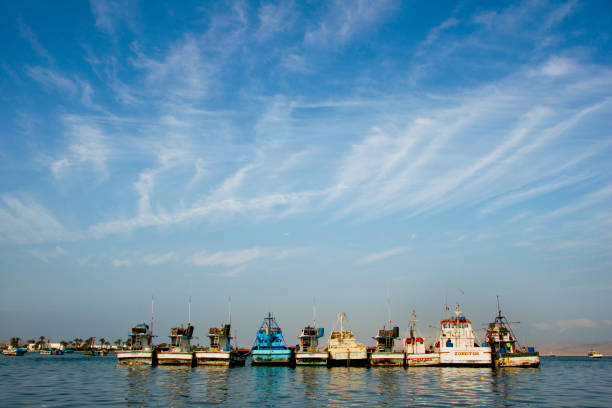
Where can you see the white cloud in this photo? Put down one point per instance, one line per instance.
(225, 258)
(347, 20)
(121, 262)
(582, 323)
(541, 326)
(25, 222)
(51, 78)
(109, 14)
(153, 259)
(382, 255)
(87, 145)
(47, 256)
(557, 66)
(27, 34)
(607, 322)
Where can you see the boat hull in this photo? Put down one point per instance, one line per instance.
(220, 358)
(311, 358)
(466, 357)
(348, 358)
(378, 359)
(175, 358)
(422, 359)
(516, 359)
(13, 353)
(271, 357)
(136, 357)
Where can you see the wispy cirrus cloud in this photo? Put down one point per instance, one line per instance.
(27, 34)
(379, 256)
(225, 258)
(564, 325)
(24, 221)
(347, 20)
(582, 323)
(87, 144)
(157, 259)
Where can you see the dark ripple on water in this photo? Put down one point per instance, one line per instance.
(77, 381)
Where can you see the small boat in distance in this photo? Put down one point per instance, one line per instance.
(14, 351)
(269, 347)
(505, 348)
(414, 347)
(343, 349)
(594, 354)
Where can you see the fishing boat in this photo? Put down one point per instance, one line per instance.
(385, 353)
(140, 344)
(45, 352)
(307, 351)
(269, 347)
(140, 349)
(221, 350)
(458, 345)
(594, 354)
(505, 348)
(180, 351)
(14, 351)
(343, 349)
(415, 349)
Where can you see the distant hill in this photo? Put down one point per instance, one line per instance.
(573, 348)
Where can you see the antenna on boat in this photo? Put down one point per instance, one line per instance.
(230, 310)
(189, 316)
(314, 313)
(152, 311)
(389, 306)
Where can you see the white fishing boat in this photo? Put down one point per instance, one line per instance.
(415, 349)
(594, 354)
(505, 348)
(307, 350)
(385, 353)
(343, 349)
(221, 350)
(14, 351)
(140, 348)
(180, 351)
(458, 345)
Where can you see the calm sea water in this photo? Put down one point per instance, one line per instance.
(75, 380)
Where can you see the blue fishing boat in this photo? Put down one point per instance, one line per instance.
(269, 347)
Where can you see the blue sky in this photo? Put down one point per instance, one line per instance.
(280, 152)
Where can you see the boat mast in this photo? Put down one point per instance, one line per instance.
(314, 313)
(152, 312)
(389, 307)
(189, 315)
(230, 310)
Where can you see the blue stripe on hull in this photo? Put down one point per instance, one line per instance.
(270, 357)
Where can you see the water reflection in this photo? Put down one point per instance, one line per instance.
(271, 385)
(138, 383)
(176, 383)
(389, 381)
(217, 384)
(311, 380)
(348, 387)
